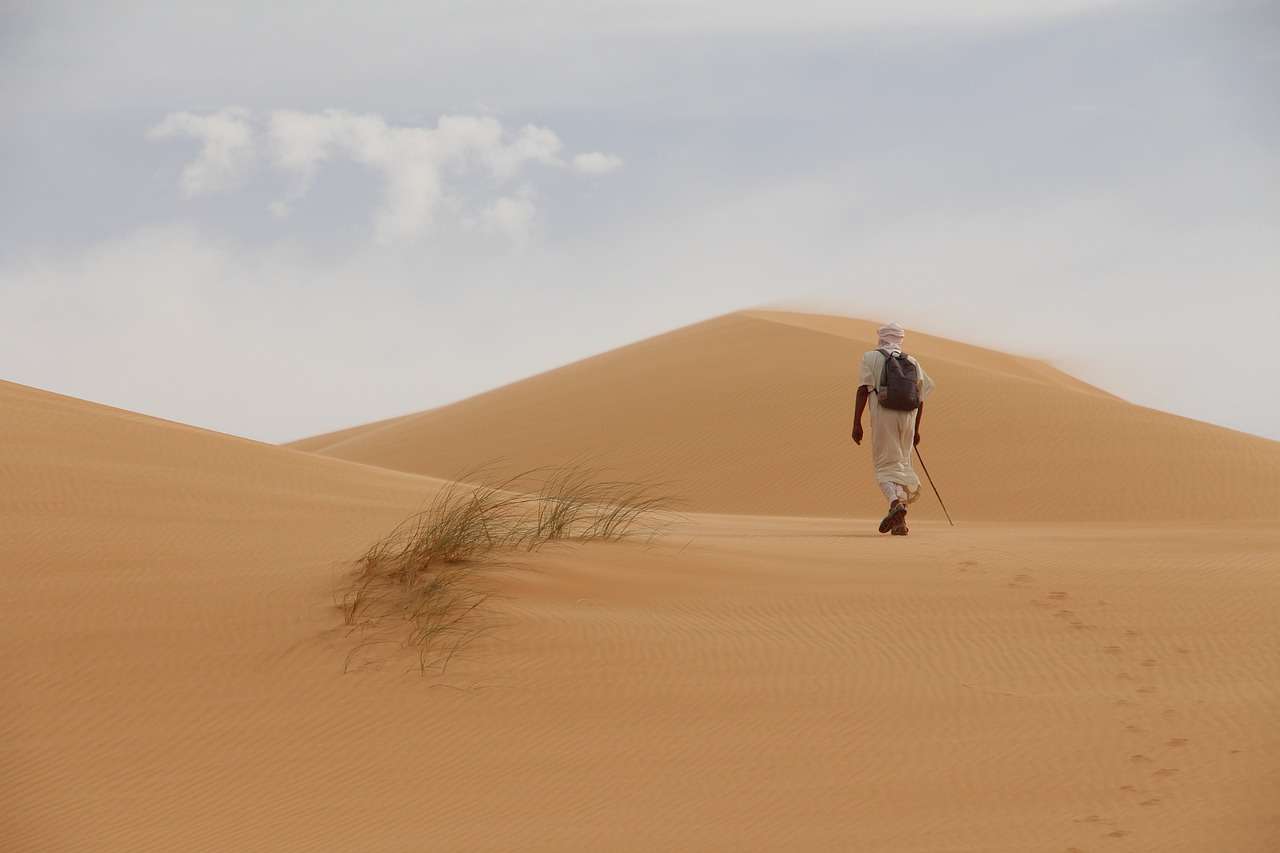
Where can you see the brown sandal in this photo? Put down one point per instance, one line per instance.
(897, 515)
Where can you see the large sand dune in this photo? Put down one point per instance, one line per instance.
(173, 678)
(750, 413)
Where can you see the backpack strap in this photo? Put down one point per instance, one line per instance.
(884, 371)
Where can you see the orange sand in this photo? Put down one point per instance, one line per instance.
(173, 673)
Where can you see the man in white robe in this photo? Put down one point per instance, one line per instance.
(894, 433)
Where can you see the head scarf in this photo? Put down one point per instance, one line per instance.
(891, 335)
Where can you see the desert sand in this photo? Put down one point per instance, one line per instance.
(1086, 662)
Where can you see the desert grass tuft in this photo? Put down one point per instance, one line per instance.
(417, 587)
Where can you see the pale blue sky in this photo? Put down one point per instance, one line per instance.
(1095, 183)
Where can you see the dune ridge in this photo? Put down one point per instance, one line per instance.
(750, 413)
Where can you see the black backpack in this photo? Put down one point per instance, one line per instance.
(899, 387)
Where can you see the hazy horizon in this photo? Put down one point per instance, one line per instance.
(280, 223)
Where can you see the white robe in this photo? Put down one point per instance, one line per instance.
(892, 432)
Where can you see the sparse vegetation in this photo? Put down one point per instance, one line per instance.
(417, 587)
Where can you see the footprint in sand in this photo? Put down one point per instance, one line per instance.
(1113, 650)
(1137, 730)
(1180, 650)
(1058, 596)
(1165, 772)
(1176, 741)
(1169, 714)
(1150, 662)
(1139, 759)
(1129, 788)
(1093, 818)
(1124, 676)
(1154, 801)
(1150, 688)
(1064, 614)
(1118, 833)
(1129, 632)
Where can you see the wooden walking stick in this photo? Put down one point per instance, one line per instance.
(935, 488)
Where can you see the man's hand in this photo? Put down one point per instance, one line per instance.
(916, 442)
(857, 433)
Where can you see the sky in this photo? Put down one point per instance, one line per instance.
(278, 222)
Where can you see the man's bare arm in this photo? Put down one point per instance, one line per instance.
(859, 406)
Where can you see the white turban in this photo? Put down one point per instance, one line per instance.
(891, 335)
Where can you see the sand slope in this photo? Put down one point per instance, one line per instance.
(750, 413)
(172, 678)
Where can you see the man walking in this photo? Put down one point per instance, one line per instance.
(897, 386)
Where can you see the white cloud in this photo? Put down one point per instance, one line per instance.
(513, 216)
(532, 145)
(226, 151)
(415, 162)
(596, 163)
(300, 141)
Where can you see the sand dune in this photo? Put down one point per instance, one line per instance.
(173, 669)
(750, 413)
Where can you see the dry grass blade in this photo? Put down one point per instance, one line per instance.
(420, 579)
